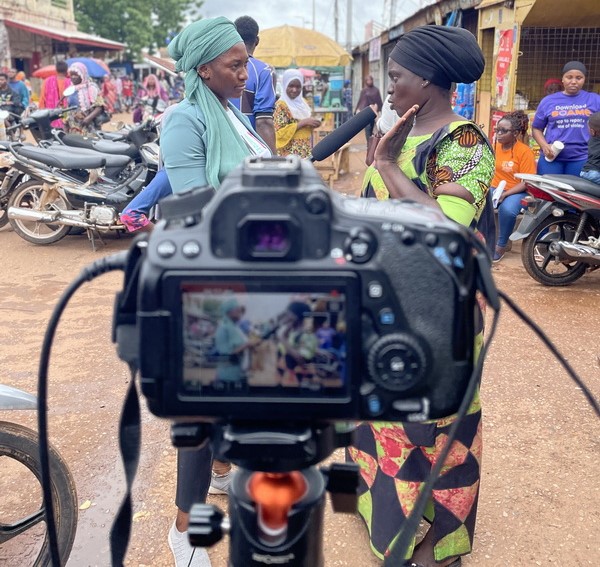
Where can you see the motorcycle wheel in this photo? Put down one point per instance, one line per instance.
(540, 263)
(20, 484)
(27, 196)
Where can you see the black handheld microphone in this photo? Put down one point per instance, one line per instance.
(334, 141)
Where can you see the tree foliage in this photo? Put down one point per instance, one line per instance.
(141, 24)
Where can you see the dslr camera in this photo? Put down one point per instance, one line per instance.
(277, 300)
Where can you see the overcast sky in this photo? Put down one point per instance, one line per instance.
(272, 13)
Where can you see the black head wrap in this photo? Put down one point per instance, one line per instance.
(574, 66)
(442, 55)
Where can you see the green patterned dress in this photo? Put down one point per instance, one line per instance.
(395, 459)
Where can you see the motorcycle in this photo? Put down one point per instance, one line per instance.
(147, 108)
(38, 123)
(21, 489)
(560, 228)
(79, 187)
(10, 128)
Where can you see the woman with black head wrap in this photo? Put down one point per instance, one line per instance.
(438, 159)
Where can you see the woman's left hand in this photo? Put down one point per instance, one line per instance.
(391, 144)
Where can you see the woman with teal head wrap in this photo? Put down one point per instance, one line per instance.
(205, 137)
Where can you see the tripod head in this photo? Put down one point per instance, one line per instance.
(276, 498)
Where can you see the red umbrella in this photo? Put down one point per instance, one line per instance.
(48, 70)
(45, 72)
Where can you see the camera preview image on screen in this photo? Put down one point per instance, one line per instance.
(276, 344)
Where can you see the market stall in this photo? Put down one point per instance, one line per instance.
(321, 60)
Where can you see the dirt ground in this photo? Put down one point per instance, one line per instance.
(540, 495)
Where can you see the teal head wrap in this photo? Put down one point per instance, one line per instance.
(228, 305)
(200, 43)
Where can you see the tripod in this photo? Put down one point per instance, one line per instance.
(277, 496)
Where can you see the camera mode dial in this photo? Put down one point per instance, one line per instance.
(360, 245)
(396, 362)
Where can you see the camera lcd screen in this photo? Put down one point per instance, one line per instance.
(240, 340)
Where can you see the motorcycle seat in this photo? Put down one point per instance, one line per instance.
(115, 147)
(97, 145)
(112, 136)
(578, 183)
(64, 157)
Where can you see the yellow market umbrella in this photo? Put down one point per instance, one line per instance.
(288, 46)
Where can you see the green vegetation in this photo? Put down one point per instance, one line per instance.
(141, 24)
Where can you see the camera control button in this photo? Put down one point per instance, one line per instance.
(431, 239)
(408, 237)
(166, 249)
(387, 317)
(191, 249)
(396, 362)
(375, 290)
(316, 203)
(360, 246)
(454, 248)
(374, 406)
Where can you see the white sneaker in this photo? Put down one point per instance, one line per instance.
(184, 553)
(219, 483)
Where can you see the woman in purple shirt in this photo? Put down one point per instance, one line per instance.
(563, 117)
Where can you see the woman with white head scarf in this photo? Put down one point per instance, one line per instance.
(293, 123)
(87, 98)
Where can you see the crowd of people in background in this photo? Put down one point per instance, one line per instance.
(119, 92)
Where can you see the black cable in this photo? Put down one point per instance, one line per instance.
(550, 345)
(107, 264)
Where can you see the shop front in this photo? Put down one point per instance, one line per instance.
(30, 46)
(527, 42)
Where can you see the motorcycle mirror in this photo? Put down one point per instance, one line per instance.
(68, 91)
(4, 114)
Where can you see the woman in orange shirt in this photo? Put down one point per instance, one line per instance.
(512, 156)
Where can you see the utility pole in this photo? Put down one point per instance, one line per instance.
(336, 17)
(349, 26)
(313, 7)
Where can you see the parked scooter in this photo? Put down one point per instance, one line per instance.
(21, 478)
(560, 228)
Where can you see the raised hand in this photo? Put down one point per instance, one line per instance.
(391, 144)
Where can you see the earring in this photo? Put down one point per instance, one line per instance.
(424, 83)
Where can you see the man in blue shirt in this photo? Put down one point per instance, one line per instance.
(258, 99)
(19, 87)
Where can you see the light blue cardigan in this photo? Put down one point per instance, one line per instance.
(183, 145)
